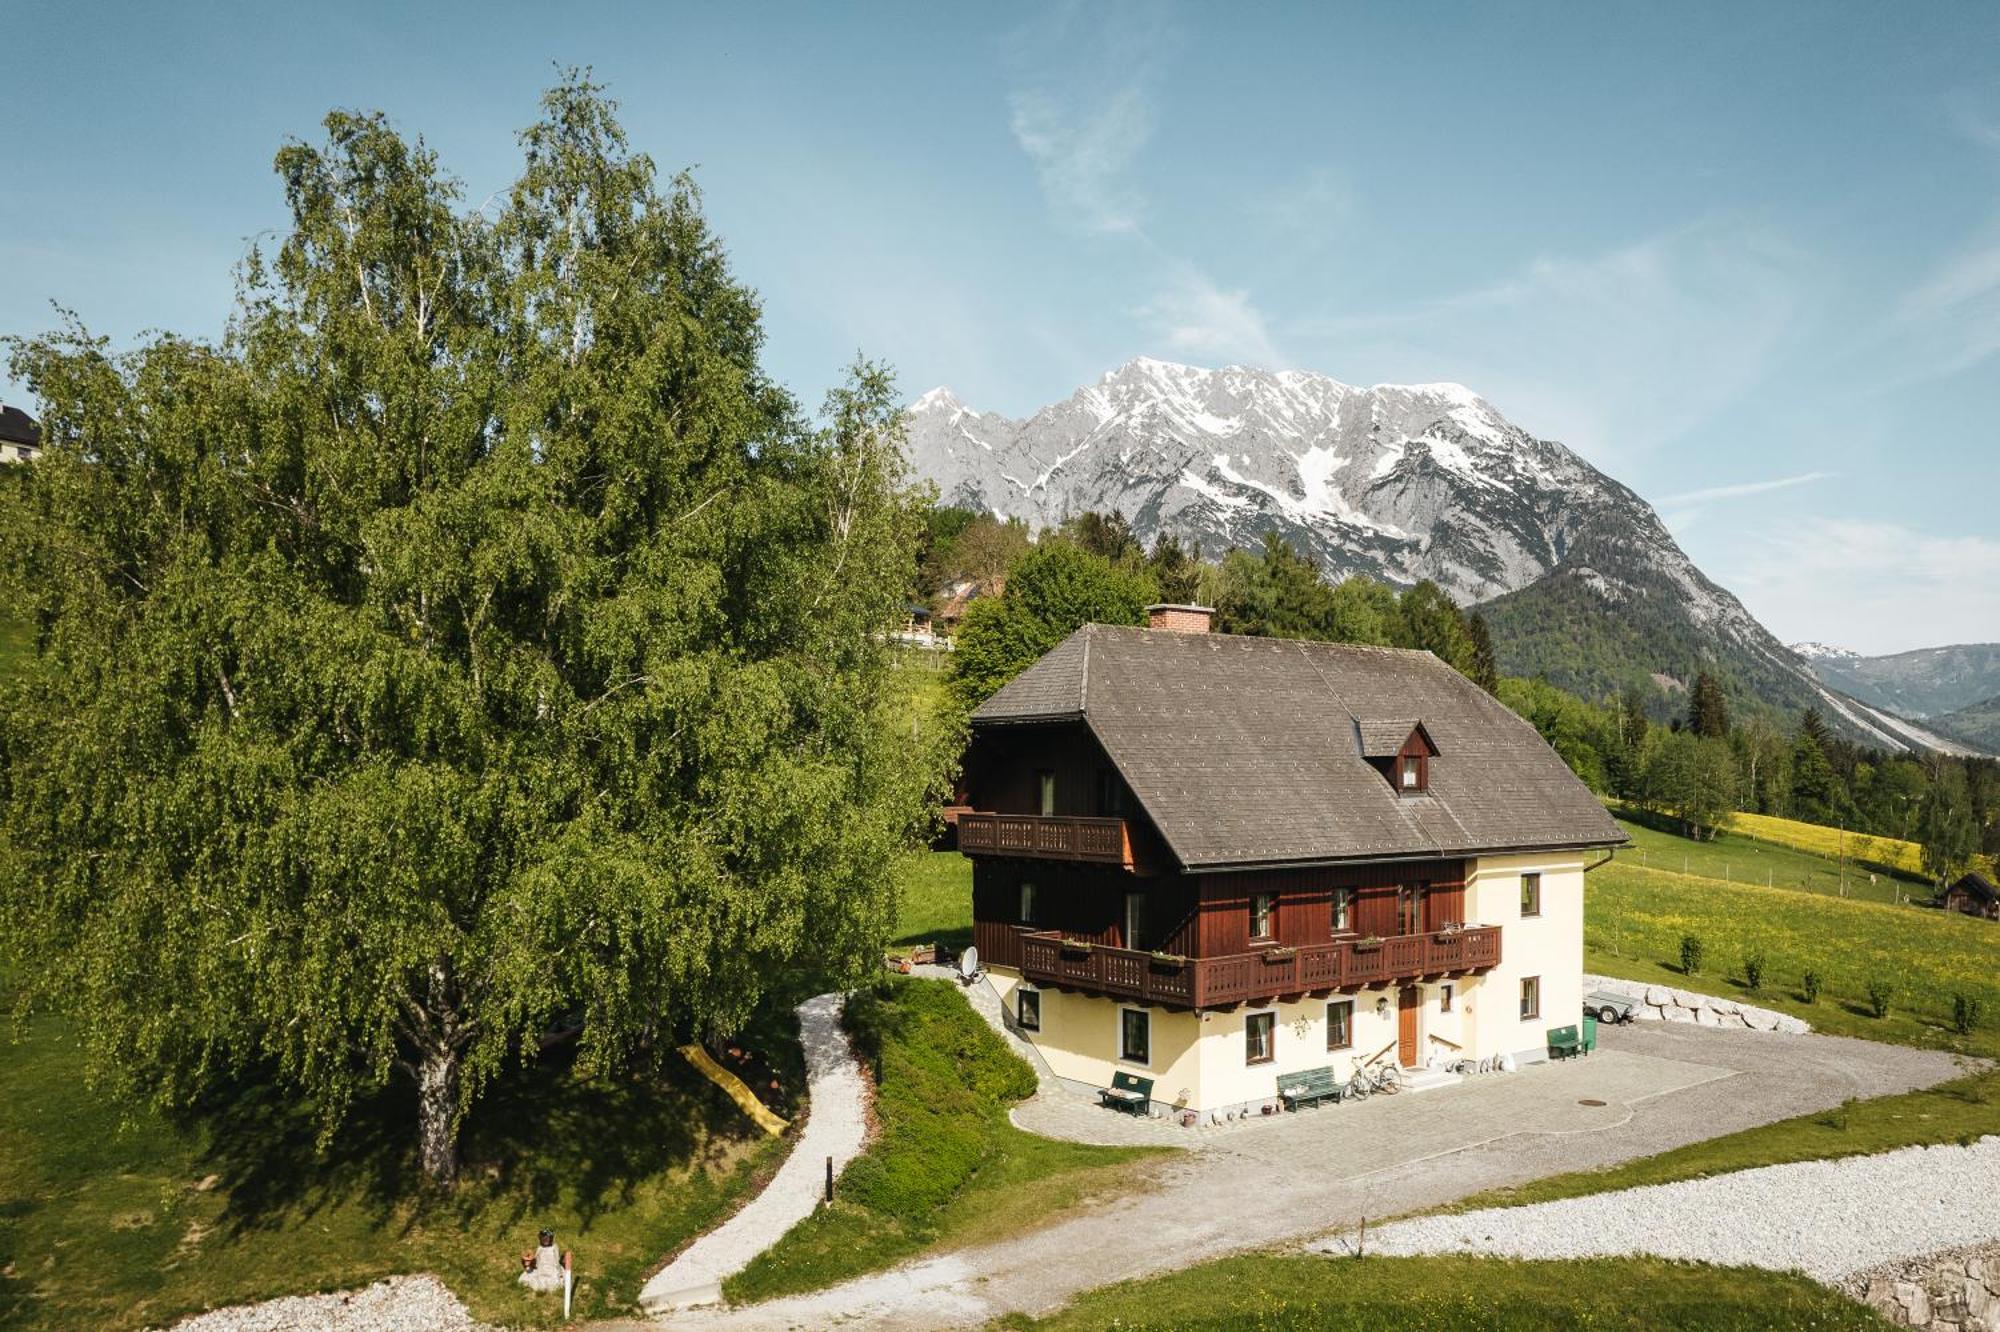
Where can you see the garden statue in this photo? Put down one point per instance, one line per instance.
(542, 1270)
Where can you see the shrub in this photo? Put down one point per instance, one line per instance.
(1753, 970)
(1810, 983)
(1966, 1011)
(1691, 954)
(1880, 992)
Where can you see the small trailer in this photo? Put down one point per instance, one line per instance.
(1609, 1007)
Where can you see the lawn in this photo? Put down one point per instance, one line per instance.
(1734, 857)
(946, 1166)
(106, 1224)
(1887, 853)
(936, 900)
(1271, 1294)
(1635, 917)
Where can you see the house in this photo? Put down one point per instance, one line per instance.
(1974, 895)
(1210, 860)
(20, 437)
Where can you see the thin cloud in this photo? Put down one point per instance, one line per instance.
(1197, 317)
(1081, 158)
(1741, 489)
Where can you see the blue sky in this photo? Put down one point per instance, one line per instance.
(1746, 258)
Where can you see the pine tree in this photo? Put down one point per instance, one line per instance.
(1485, 666)
(1175, 570)
(1708, 708)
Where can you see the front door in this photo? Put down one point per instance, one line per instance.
(1409, 1004)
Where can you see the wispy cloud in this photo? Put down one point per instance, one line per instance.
(1874, 586)
(1954, 313)
(1082, 156)
(1743, 488)
(1201, 319)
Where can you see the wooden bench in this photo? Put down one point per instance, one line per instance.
(1309, 1087)
(1564, 1042)
(1128, 1092)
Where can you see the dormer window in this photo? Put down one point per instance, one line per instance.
(1413, 773)
(1401, 750)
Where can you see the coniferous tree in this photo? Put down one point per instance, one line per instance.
(1433, 622)
(1708, 708)
(1485, 666)
(1176, 571)
(1816, 793)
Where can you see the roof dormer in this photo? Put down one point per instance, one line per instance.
(1401, 750)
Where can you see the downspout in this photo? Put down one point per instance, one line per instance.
(1609, 856)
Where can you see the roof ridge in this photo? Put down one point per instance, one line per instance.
(1083, 676)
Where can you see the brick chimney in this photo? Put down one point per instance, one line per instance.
(1179, 619)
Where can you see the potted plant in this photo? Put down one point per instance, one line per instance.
(1071, 944)
(1282, 953)
(1168, 961)
(1368, 943)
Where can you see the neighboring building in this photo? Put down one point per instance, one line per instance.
(1210, 860)
(20, 437)
(1973, 895)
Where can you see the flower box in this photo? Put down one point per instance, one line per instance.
(1285, 954)
(1369, 944)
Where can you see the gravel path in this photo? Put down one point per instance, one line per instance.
(1824, 1218)
(399, 1304)
(835, 1127)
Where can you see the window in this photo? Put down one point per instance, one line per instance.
(1413, 773)
(1028, 903)
(1262, 908)
(1260, 1038)
(1110, 792)
(1444, 997)
(1135, 920)
(1343, 907)
(1028, 1009)
(1048, 784)
(1340, 1025)
(1531, 997)
(1135, 1035)
(1531, 894)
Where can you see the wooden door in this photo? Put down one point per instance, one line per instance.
(1410, 909)
(1409, 1004)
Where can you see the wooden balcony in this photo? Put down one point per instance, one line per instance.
(1222, 982)
(1046, 837)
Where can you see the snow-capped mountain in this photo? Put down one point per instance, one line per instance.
(1924, 682)
(1400, 482)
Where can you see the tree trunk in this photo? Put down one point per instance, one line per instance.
(437, 1115)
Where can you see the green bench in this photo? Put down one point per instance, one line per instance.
(1564, 1042)
(1309, 1087)
(1128, 1092)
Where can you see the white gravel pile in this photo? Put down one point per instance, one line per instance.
(1824, 1218)
(399, 1304)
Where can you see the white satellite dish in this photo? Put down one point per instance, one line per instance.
(968, 964)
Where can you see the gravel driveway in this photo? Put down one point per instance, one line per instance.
(1824, 1218)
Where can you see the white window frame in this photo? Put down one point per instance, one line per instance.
(1531, 888)
(1343, 911)
(1145, 1017)
(1535, 981)
(1248, 1016)
(1270, 914)
(1332, 1004)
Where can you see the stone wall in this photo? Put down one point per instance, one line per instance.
(1662, 1003)
(1954, 1291)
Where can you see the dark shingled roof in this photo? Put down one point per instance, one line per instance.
(1977, 885)
(1249, 751)
(1384, 739)
(17, 427)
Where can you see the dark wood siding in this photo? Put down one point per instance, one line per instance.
(1003, 768)
(1305, 902)
(1084, 902)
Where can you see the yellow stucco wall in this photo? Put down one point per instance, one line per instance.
(1549, 946)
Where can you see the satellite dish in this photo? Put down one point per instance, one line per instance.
(968, 962)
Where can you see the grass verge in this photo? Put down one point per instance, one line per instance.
(1271, 1294)
(946, 1166)
(936, 888)
(116, 1221)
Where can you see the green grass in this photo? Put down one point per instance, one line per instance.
(936, 891)
(946, 1167)
(1736, 858)
(1474, 1294)
(105, 1224)
(1634, 919)
(1961, 1111)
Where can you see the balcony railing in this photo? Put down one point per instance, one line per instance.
(1046, 837)
(1210, 982)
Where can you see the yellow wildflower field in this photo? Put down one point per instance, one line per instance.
(1819, 840)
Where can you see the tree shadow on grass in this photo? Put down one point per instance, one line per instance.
(540, 1136)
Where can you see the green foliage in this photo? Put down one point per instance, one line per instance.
(1966, 1011)
(1817, 795)
(1176, 571)
(1692, 951)
(979, 551)
(1945, 827)
(1455, 1293)
(1432, 623)
(1275, 593)
(475, 641)
(945, 1154)
(1582, 734)
(1810, 982)
(1693, 779)
(1051, 591)
(1753, 970)
(1880, 993)
(1708, 709)
(1484, 666)
(1105, 535)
